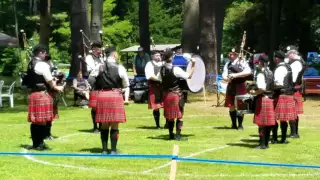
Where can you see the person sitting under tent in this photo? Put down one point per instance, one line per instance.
(81, 87)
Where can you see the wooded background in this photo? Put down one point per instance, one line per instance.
(216, 26)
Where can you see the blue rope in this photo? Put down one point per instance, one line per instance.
(127, 156)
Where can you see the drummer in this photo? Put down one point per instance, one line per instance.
(173, 103)
(264, 115)
(152, 71)
(236, 85)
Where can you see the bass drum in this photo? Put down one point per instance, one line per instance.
(197, 80)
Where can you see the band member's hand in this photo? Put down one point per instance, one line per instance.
(59, 88)
(126, 102)
(252, 92)
(232, 76)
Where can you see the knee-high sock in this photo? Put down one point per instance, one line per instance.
(42, 133)
(93, 116)
(114, 136)
(170, 127)
(284, 128)
(104, 139)
(48, 128)
(156, 115)
(233, 116)
(262, 137)
(240, 120)
(179, 125)
(293, 126)
(267, 134)
(297, 126)
(275, 132)
(34, 130)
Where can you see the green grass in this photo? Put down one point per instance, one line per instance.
(204, 126)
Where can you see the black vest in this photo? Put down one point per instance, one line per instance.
(169, 81)
(269, 80)
(300, 74)
(109, 78)
(36, 82)
(288, 85)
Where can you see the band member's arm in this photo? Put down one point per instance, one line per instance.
(125, 82)
(296, 68)
(246, 71)
(43, 69)
(90, 63)
(178, 72)
(279, 75)
(193, 63)
(149, 71)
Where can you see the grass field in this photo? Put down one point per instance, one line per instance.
(204, 125)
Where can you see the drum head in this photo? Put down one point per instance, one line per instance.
(197, 81)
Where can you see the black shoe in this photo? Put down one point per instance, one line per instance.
(43, 147)
(274, 141)
(261, 147)
(234, 127)
(104, 152)
(171, 136)
(284, 142)
(95, 131)
(295, 136)
(158, 127)
(240, 128)
(114, 152)
(179, 138)
(49, 138)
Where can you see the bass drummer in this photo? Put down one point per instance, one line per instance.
(235, 73)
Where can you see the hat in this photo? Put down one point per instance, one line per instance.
(264, 58)
(234, 51)
(39, 48)
(279, 54)
(292, 47)
(96, 45)
(140, 49)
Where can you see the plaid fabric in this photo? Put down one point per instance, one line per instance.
(171, 106)
(110, 107)
(298, 99)
(152, 98)
(285, 108)
(264, 114)
(240, 90)
(93, 99)
(40, 107)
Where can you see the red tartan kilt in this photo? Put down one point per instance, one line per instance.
(110, 107)
(298, 99)
(40, 107)
(285, 108)
(264, 114)
(171, 106)
(240, 90)
(93, 99)
(152, 98)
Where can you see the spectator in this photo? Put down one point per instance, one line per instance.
(81, 86)
(139, 63)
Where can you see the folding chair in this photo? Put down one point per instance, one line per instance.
(221, 89)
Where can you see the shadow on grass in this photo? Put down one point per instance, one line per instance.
(250, 140)
(167, 138)
(92, 150)
(87, 131)
(148, 127)
(224, 128)
(251, 146)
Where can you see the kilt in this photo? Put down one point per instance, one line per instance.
(298, 99)
(152, 104)
(264, 114)
(171, 106)
(110, 107)
(240, 90)
(40, 107)
(285, 108)
(93, 99)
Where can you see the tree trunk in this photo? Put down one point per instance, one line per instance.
(45, 21)
(96, 20)
(144, 25)
(210, 27)
(191, 30)
(274, 23)
(79, 21)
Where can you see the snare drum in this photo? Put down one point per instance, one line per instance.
(245, 104)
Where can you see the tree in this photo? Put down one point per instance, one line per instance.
(79, 21)
(191, 30)
(209, 27)
(96, 19)
(45, 20)
(144, 25)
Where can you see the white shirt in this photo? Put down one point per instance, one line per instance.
(149, 69)
(43, 68)
(178, 72)
(296, 68)
(261, 82)
(93, 65)
(243, 65)
(279, 75)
